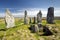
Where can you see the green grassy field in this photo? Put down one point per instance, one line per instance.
(21, 31)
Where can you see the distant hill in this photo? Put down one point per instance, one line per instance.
(54, 18)
(57, 18)
(42, 18)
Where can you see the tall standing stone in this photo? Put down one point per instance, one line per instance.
(9, 19)
(34, 22)
(30, 20)
(39, 18)
(25, 18)
(50, 15)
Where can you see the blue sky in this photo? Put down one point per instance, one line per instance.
(17, 7)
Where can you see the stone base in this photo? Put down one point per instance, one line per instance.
(34, 28)
(42, 30)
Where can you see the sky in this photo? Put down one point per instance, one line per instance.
(17, 7)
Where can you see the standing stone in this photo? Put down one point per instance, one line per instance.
(25, 18)
(39, 21)
(39, 18)
(50, 15)
(30, 20)
(34, 22)
(9, 19)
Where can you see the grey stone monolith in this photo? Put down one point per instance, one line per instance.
(9, 19)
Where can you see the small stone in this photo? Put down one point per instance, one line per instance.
(34, 28)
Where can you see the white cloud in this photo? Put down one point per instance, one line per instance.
(33, 12)
(2, 14)
(57, 12)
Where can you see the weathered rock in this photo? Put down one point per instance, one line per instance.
(50, 15)
(25, 18)
(40, 27)
(34, 20)
(34, 28)
(30, 20)
(39, 17)
(9, 19)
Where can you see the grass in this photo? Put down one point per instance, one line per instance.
(21, 31)
(2, 24)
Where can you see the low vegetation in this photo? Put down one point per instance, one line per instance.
(21, 31)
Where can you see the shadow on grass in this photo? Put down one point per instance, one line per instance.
(47, 32)
(3, 29)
